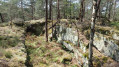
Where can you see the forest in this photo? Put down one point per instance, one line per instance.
(59, 33)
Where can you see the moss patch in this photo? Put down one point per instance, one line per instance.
(99, 61)
(47, 53)
(103, 30)
(2, 52)
(68, 42)
(4, 24)
(8, 54)
(115, 24)
(87, 34)
(50, 31)
(86, 55)
(6, 41)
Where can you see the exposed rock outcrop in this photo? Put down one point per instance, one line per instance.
(106, 45)
(69, 38)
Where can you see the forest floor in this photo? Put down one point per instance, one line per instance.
(49, 54)
(33, 51)
(12, 50)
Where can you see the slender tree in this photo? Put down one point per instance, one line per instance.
(70, 10)
(22, 11)
(110, 9)
(51, 16)
(99, 14)
(58, 12)
(107, 7)
(46, 22)
(1, 17)
(50, 11)
(66, 9)
(82, 10)
(99, 9)
(94, 15)
(32, 2)
(114, 10)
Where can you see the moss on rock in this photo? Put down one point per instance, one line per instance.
(86, 55)
(68, 42)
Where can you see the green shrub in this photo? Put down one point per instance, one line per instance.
(8, 54)
(66, 61)
(4, 24)
(8, 41)
(2, 52)
(87, 34)
(74, 66)
(115, 24)
(86, 55)
(104, 59)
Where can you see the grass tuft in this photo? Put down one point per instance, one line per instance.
(8, 54)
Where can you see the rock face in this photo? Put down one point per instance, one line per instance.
(107, 46)
(115, 36)
(67, 34)
(69, 38)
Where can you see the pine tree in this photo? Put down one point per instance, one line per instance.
(46, 22)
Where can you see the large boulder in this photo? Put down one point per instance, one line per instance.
(107, 45)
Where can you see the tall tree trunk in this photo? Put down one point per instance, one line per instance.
(82, 11)
(42, 13)
(50, 11)
(110, 8)
(10, 16)
(51, 16)
(99, 14)
(74, 12)
(52, 25)
(46, 28)
(66, 10)
(32, 8)
(107, 7)
(22, 11)
(99, 10)
(32, 12)
(64, 13)
(58, 12)
(1, 17)
(94, 15)
(70, 10)
(114, 10)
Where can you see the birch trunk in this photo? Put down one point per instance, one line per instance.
(94, 15)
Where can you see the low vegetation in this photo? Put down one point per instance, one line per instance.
(50, 53)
